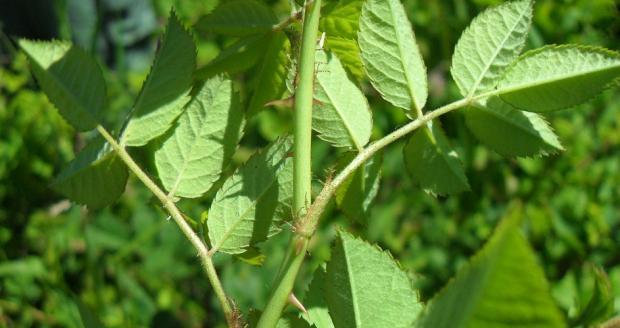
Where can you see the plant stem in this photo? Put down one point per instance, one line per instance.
(302, 170)
(203, 250)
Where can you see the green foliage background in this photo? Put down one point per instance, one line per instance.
(130, 267)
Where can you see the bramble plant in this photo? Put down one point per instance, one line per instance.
(316, 60)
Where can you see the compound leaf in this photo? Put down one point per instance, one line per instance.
(491, 43)
(365, 287)
(557, 77)
(390, 54)
(270, 82)
(71, 79)
(96, 177)
(357, 192)
(432, 164)
(193, 156)
(165, 91)
(502, 286)
(254, 202)
(238, 18)
(244, 54)
(341, 115)
(509, 131)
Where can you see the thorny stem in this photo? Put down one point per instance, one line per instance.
(168, 203)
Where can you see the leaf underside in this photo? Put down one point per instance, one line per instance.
(203, 141)
(390, 54)
(166, 89)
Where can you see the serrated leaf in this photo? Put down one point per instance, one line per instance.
(166, 89)
(270, 82)
(365, 287)
(391, 56)
(203, 141)
(509, 131)
(348, 52)
(502, 286)
(96, 177)
(242, 55)
(357, 192)
(341, 19)
(71, 79)
(238, 18)
(254, 202)
(558, 77)
(491, 43)
(433, 164)
(341, 115)
(317, 313)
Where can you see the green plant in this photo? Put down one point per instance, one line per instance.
(193, 127)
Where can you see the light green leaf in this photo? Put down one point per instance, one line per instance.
(391, 56)
(252, 256)
(240, 56)
(432, 164)
(491, 43)
(341, 19)
(511, 132)
(557, 77)
(71, 79)
(96, 177)
(357, 192)
(254, 202)
(270, 82)
(341, 115)
(89, 318)
(502, 286)
(365, 287)
(238, 18)
(166, 89)
(349, 53)
(317, 313)
(193, 156)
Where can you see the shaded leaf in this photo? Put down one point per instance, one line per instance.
(201, 145)
(340, 19)
(314, 302)
(557, 77)
(71, 79)
(341, 115)
(433, 164)
(491, 43)
(357, 192)
(238, 18)
(96, 177)
(254, 202)
(252, 256)
(502, 286)
(390, 54)
(509, 131)
(240, 56)
(166, 89)
(600, 305)
(365, 287)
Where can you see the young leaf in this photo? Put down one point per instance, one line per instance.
(254, 201)
(391, 56)
(71, 79)
(365, 287)
(558, 77)
(432, 164)
(96, 177)
(238, 18)
(357, 192)
(192, 157)
(165, 91)
(242, 55)
(341, 18)
(491, 43)
(317, 313)
(270, 81)
(503, 285)
(341, 116)
(511, 132)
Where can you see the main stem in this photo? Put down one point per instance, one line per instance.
(203, 250)
(302, 170)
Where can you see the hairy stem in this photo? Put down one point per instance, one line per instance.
(302, 170)
(168, 203)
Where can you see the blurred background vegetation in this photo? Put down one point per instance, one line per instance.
(130, 267)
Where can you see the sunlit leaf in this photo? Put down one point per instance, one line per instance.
(341, 18)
